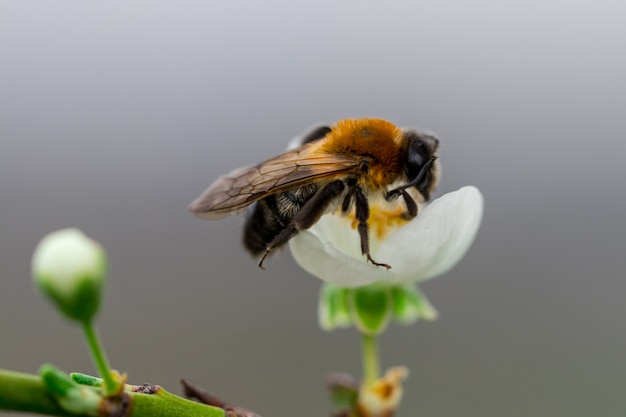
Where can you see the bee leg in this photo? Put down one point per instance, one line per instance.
(307, 216)
(411, 206)
(345, 206)
(362, 213)
(347, 200)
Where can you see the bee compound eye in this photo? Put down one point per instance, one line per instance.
(430, 141)
(416, 157)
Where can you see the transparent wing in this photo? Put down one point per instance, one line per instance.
(232, 193)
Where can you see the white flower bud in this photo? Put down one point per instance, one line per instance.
(70, 269)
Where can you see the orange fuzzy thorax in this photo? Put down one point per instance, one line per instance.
(377, 140)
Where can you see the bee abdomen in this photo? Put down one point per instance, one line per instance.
(271, 215)
(262, 224)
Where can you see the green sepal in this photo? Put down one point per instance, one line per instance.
(332, 309)
(84, 302)
(370, 308)
(70, 396)
(409, 305)
(420, 303)
(56, 381)
(84, 379)
(403, 309)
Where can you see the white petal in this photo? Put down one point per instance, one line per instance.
(67, 258)
(329, 264)
(428, 246)
(437, 239)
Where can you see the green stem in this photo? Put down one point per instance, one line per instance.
(165, 404)
(371, 366)
(27, 393)
(99, 357)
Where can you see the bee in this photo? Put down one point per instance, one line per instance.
(339, 168)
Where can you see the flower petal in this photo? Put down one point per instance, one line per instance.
(437, 239)
(428, 246)
(329, 264)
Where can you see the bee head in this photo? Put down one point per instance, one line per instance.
(421, 153)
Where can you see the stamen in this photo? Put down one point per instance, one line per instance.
(382, 220)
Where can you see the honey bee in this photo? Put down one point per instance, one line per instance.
(339, 168)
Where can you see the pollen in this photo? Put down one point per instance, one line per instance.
(382, 221)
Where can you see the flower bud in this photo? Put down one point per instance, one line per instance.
(69, 268)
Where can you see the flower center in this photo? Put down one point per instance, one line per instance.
(340, 229)
(382, 221)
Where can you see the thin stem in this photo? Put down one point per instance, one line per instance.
(99, 357)
(371, 366)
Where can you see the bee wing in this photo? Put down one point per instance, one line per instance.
(232, 193)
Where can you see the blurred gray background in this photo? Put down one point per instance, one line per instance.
(115, 115)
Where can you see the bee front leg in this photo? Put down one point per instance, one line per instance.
(362, 214)
(411, 206)
(396, 192)
(307, 216)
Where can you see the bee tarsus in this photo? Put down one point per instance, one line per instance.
(362, 214)
(411, 206)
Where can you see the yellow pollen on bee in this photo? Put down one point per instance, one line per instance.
(382, 221)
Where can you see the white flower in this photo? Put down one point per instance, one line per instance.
(70, 269)
(427, 246)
